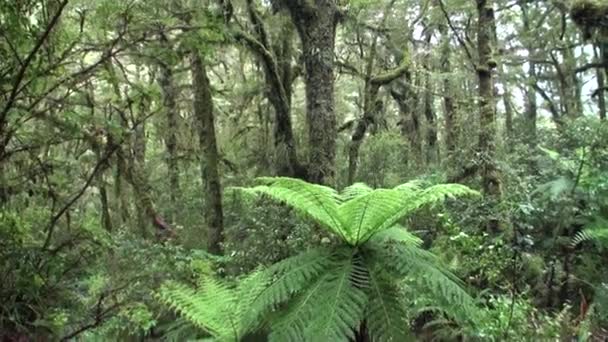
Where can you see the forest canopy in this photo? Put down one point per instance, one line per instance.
(303, 170)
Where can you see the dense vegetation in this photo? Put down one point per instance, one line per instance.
(303, 170)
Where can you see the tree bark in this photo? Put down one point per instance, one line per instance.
(169, 95)
(407, 101)
(278, 73)
(487, 108)
(203, 113)
(316, 23)
(449, 107)
(530, 104)
(432, 148)
(601, 85)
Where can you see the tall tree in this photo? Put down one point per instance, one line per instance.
(487, 107)
(316, 22)
(169, 94)
(205, 121)
(279, 74)
(432, 146)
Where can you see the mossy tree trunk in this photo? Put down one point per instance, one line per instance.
(278, 73)
(316, 22)
(449, 107)
(169, 95)
(212, 191)
(487, 107)
(432, 146)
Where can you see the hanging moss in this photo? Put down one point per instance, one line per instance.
(590, 15)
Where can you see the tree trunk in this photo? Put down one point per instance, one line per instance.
(407, 101)
(139, 175)
(203, 112)
(316, 23)
(432, 148)
(169, 95)
(448, 101)
(601, 84)
(487, 108)
(278, 73)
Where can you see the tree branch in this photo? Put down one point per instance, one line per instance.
(460, 40)
(28, 60)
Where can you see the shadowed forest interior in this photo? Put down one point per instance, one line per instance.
(303, 170)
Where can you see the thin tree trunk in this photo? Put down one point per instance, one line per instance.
(169, 95)
(203, 112)
(372, 106)
(432, 148)
(487, 108)
(601, 92)
(530, 105)
(143, 190)
(449, 108)
(278, 73)
(407, 101)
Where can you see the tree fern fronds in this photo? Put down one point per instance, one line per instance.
(289, 325)
(365, 214)
(397, 233)
(386, 313)
(249, 289)
(597, 232)
(355, 190)
(329, 310)
(413, 201)
(289, 277)
(411, 186)
(424, 270)
(316, 201)
(210, 310)
(344, 306)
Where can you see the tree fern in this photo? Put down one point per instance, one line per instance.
(325, 294)
(596, 232)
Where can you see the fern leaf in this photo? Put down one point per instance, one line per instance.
(354, 191)
(411, 186)
(289, 277)
(397, 233)
(365, 214)
(210, 310)
(426, 197)
(329, 310)
(381, 209)
(386, 313)
(315, 201)
(423, 270)
(596, 232)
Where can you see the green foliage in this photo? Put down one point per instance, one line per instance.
(327, 292)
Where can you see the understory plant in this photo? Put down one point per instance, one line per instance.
(360, 282)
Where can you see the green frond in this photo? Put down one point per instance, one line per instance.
(386, 313)
(365, 214)
(315, 201)
(381, 209)
(329, 310)
(429, 196)
(596, 232)
(411, 186)
(355, 190)
(424, 271)
(210, 308)
(397, 233)
(289, 277)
